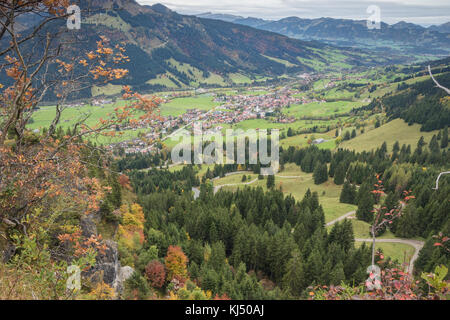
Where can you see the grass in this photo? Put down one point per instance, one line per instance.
(234, 179)
(328, 192)
(396, 130)
(163, 80)
(107, 90)
(179, 106)
(281, 61)
(396, 251)
(302, 141)
(43, 117)
(197, 75)
(267, 124)
(321, 109)
(238, 78)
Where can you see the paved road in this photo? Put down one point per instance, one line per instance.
(348, 214)
(418, 245)
(217, 188)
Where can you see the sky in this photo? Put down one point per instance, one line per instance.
(424, 12)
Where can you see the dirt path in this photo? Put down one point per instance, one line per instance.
(418, 245)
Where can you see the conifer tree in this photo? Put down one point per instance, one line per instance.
(320, 173)
(340, 173)
(270, 181)
(444, 140)
(365, 207)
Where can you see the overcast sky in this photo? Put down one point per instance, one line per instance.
(425, 12)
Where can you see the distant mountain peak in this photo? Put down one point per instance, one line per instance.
(160, 8)
(406, 25)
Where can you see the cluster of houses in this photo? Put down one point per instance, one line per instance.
(234, 109)
(101, 102)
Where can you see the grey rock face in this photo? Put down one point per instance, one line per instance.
(107, 264)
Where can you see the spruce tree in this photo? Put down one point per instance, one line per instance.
(270, 181)
(365, 207)
(320, 173)
(444, 140)
(337, 275)
(347, 136)
(340, 173)
(348, 193)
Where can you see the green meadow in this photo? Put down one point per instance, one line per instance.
(179, 106)
(396, 130)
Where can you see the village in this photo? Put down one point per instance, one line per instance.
(232, 110)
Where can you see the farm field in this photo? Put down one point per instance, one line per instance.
(266, 124)
(321, 109)
(179, 106)
(43, 117)
(301, 140)
(396, 130)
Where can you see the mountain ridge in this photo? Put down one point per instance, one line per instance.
(168, 49)
(401, 37)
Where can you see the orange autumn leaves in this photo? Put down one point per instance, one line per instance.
(102, 56)
(82, 245)
(44, 171)
(176, 263)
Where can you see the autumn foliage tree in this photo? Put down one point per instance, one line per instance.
(176, 263)
(155, 273)
(45, 176)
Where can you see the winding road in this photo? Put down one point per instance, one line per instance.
(345, 216)
(217, 188)
(416, 244)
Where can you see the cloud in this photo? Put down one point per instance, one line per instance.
(392, 11)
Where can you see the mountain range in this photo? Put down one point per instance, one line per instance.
(402, 37)
(170, 50)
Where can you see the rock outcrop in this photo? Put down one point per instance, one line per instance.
(107, 265)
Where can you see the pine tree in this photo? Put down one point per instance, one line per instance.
(270, 181)
(217, 259)
(347, 136)
(337, 275)
(348, 193)
(434, 145)
(444, 140)
(340, 173)
(294, 278)
(320, 173)
(290, 133)
(365, 207)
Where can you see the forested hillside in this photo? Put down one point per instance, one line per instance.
(165, 47)
(420, 102)
(256, 244)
